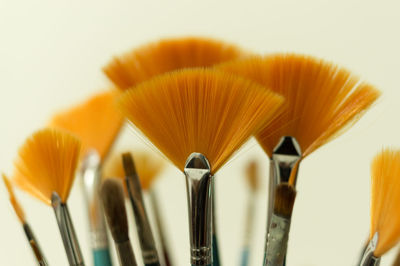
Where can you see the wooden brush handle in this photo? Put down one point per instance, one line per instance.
(125, 254)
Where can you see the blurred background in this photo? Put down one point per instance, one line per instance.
(51, 55)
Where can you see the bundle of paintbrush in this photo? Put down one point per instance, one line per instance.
(197, 101)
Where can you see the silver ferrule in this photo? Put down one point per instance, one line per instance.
(34, 245)
(67, 231)
(277, 239)
(199, 193)
(368, 258)
(285, 158)
(91, 180)
(145, 235)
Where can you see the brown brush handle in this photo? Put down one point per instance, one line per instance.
(125, 253)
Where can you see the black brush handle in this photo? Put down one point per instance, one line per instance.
(125, 254)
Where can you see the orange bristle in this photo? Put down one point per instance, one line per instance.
(252, 175)
(17, 207)
(322, 99)
(167, 55)
(147, 166)
(46, 163)
(199, 110)
(96, 122)
(385, 200)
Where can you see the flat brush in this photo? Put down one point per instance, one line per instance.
(385, 205)
(146, 240)
(27, 229)
(112, 196)
(278, 234)
(252, 178)
(45, 168)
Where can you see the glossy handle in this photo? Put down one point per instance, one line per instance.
(152, 264)
(101, 257)
(215, 251)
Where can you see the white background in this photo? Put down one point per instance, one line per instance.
(51, 54)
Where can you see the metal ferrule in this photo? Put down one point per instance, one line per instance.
(67, 231)
(147, 243)
(368, 258)
(91, 179)
(198, 183)
(284, 159)
(34, 245)
(277, 241)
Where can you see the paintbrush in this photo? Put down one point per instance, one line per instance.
(198, 118)
(45, 168)
(148, 167)
(322, 101)
(385, 204)
(252, 178)
(34, 244)
(146, 240)
(97, 123)
(166, 55)
(112, 196)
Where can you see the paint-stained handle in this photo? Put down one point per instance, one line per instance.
(102, 257)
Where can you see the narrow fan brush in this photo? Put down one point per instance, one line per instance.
(97, 122)
(198, 118)
(167, 55)
(112, 196)
(27, 228)
(252, 178)
(385, 205)
(322, 100)
(148, 167)
(45, 168)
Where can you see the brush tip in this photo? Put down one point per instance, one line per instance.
(112, 196)
(285, 196)
(129, 164)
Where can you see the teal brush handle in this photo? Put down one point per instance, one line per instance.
(215, 252)
(245, 256)
(102, 257)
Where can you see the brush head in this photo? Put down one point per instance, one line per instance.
(46, 163)
(17, 208)
(322, 99)
(112, 196)
(285, 196)
(167, 55)
(199, 110)
(95, 121)
(149, 166)
(252, 175)
(385, 200)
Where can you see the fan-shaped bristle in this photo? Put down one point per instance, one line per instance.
(385, 200)
(96, 122)
(17, 208)
(148, 167)
(321, 97)
(198, 110)
(167, 55)
(252, 175)
(47, 162)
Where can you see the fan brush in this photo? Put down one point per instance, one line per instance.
(322, 100)
(27, 228)
(167, 55)
(45, 168)
(198, 118)
(97, 122)
(385, 205)
(253, 180)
